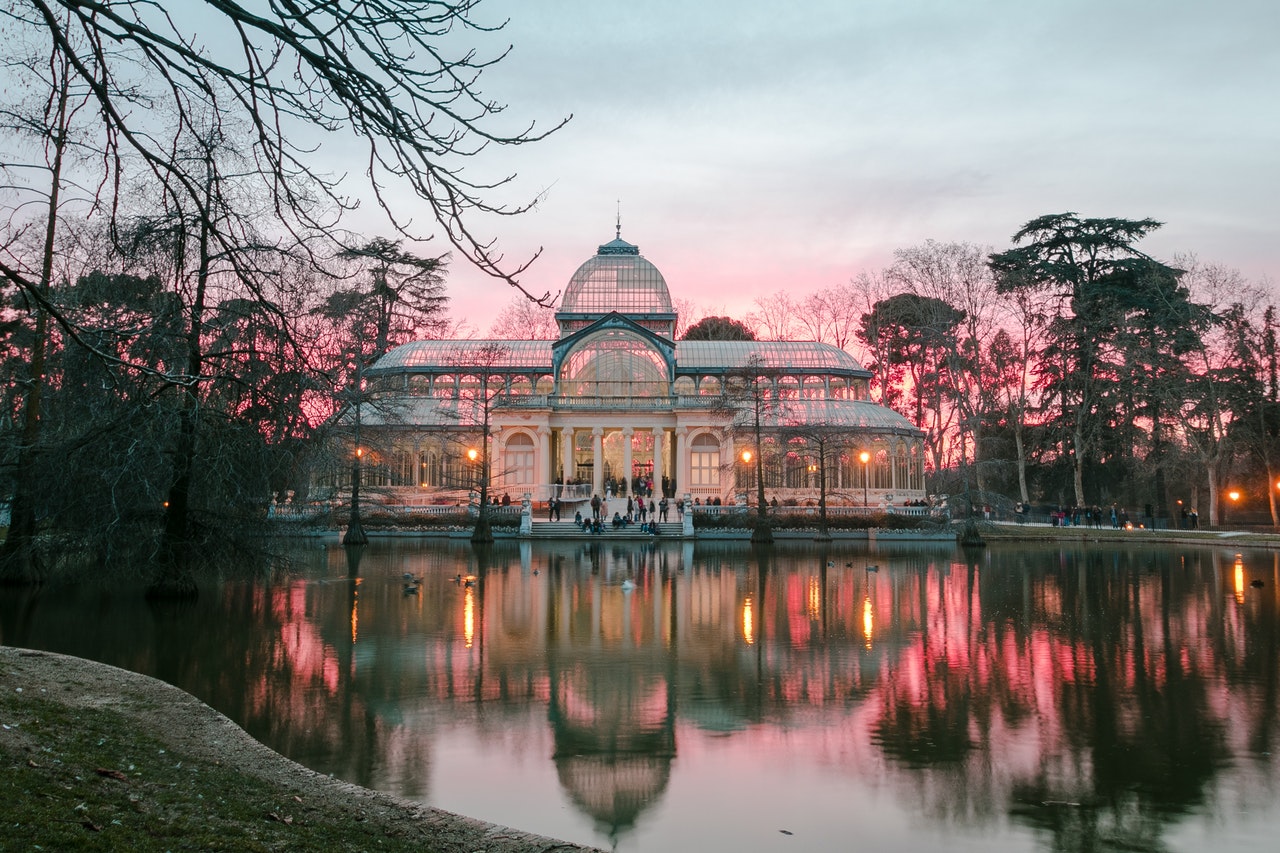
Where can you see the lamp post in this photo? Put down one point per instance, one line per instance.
(1235, 498)
(864, 457)
(355, 534)
(480, 470)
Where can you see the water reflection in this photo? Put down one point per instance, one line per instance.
(1086, 698)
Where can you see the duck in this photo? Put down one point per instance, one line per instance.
(1256, 584)
(628, 585)
(873, 568)
(411, 589)
(535, 573)
(469, 583)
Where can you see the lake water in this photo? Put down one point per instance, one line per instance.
(791, 699)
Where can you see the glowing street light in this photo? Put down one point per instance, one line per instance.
(864, 457)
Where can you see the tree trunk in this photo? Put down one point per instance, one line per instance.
(18, 564)
(1078, 464)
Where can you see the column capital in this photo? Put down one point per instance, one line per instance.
(597, 431)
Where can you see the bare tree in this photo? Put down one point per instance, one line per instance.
(774, 317)
(523, 319)
(391, 74)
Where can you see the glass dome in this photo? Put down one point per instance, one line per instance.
(618, 279)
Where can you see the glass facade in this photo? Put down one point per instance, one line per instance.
(616, 403)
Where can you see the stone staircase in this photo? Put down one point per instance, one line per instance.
(569, 530)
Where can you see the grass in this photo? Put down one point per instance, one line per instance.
(90, 779)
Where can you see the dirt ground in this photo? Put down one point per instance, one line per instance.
(189, 726)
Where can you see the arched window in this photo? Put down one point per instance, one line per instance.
(521, 386)
(704, 460)
(881, 472)
(419, 384)
(839, 388)
(614, 363)
(444, 387)
(788, 388)
(901, 466)
(519, 467)
(814, 388)
(709, 387)
(545, 385)
(685, 386)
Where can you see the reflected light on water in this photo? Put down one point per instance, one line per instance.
(657, 720)
(469, 617)
(355, 610)
(868, 619)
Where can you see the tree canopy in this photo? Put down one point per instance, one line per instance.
(719, 329)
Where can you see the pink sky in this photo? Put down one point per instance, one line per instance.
(758, 146)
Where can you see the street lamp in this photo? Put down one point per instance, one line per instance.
(355, 534)
(864, 457)
(1234, 494)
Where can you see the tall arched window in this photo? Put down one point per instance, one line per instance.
(519, 461)
(704, 460)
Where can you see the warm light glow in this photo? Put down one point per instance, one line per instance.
(1234, 495)
(748, 622)
(469, 617)
(868, 619)
(473, 454)
(1239, 567)
(746, 457)
(864, 457)
(359, 452)
(815, 598)
(355, 614)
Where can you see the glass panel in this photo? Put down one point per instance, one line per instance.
(614, 363)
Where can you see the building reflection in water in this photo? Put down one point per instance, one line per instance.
(1083, 694)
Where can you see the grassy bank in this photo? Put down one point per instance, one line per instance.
(94, 758)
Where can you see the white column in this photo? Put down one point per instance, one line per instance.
(542, 471)
(566, 454)
(657, 459)
(626, 456)
(497, 470)
(597, 461)
(729, 463)
(682, 458)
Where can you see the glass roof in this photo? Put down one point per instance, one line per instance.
(457, 355)
(840, 414)
(691, 356)
(798, 355)
(618, 279)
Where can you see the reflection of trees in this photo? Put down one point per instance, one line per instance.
(1092, 695)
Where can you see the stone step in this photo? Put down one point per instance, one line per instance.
(567, 529)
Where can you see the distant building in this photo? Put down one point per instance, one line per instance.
(616, 403)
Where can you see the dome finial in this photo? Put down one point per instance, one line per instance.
(618, 228)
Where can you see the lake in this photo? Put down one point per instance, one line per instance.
(689, 696)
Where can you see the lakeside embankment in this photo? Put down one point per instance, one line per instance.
(96, 757)
(1217, 537)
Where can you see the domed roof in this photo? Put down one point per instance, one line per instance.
(618, 279)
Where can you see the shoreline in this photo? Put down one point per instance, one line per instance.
(36, 684)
